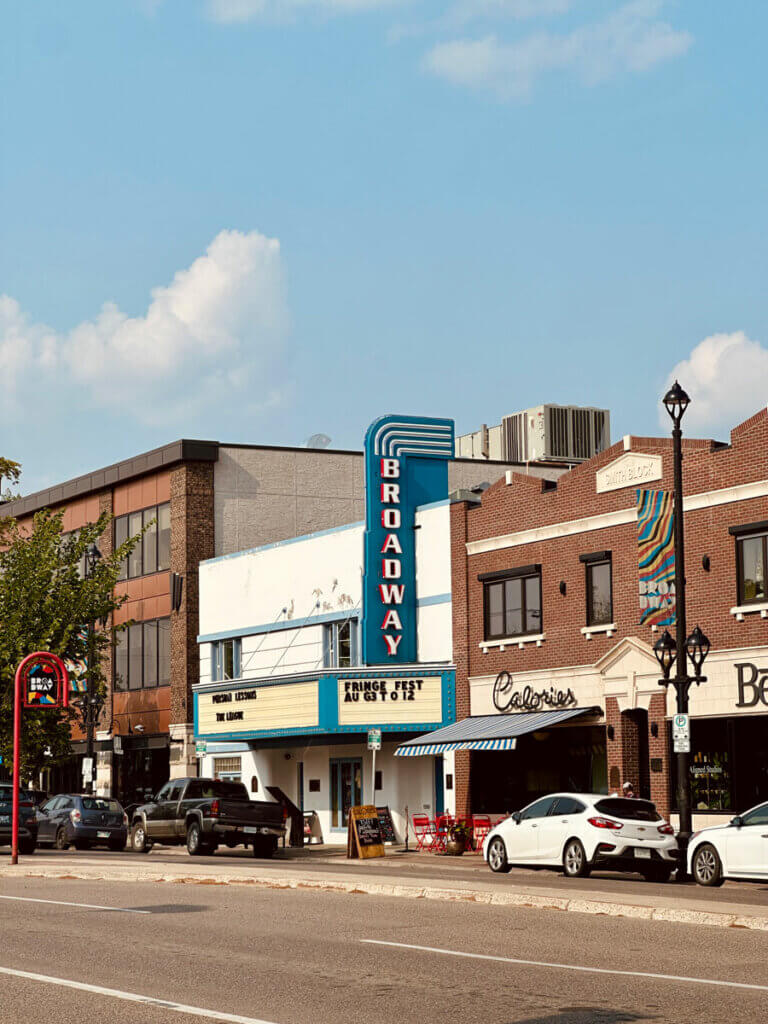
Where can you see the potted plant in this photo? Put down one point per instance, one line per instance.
(458, 839)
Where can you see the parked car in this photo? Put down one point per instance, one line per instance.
(736, 850)
(579, 832)
(204, 813)
(27, 819)
(72, 819)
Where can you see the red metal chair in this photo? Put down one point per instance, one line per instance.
(481, 826)
(424, 828)
(444, 823)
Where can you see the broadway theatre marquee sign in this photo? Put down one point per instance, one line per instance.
(404, 700)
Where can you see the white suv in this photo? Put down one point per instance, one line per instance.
(579, 832)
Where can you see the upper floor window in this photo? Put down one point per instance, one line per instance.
(143, 655)
(153, 552)
(225, 659)
(751, 564)
(340, 644)
(512, 602)
(599, 588)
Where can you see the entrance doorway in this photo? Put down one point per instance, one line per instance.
(346, 789)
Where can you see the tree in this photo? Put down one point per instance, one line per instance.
(45, 601)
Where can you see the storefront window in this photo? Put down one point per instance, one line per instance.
(710, 765)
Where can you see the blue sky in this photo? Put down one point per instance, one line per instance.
(252, 220)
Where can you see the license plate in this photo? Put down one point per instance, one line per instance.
(102, 835)
(642, 853)
(5, 819)
(250, 829)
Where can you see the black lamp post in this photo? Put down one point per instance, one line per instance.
(696, 646)
(93, 701)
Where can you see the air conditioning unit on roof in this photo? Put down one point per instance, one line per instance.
(555, 433)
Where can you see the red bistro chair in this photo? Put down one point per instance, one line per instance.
(481, 826)
(424, 828)
(444, 823)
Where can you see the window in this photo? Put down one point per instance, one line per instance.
(629, 810)
(757, 817)
(153, 552)
(228, 768)
(142, 655)
(751, 559)
(346, 789)
(539, 809)
(225, 659)
(340, 644)
(567, 805)
(512, 604)
(599, 588)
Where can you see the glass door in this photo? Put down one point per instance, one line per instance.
(346, 789)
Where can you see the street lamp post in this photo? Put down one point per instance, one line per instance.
(92, 702)
(694, 647)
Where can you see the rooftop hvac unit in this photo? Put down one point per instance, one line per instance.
(556, 433)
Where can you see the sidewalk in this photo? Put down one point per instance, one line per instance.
(414, 876)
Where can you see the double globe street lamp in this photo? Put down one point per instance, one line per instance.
(670, 652)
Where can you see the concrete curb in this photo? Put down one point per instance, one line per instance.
(527, 900)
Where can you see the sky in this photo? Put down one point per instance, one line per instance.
(257, 220)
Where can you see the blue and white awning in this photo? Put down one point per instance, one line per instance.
(487, 732)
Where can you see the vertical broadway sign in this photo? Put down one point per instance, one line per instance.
(406, 465)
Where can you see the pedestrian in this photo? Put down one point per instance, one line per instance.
(629, 791)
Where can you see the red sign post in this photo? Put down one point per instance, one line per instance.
(41, 682)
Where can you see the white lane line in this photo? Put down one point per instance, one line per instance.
(85, 906)
(570, 967)
(133, 997)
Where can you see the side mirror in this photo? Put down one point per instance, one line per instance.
(737, 821)
(517, 817)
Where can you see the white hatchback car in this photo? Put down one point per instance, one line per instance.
(580, 832)
(736, 850)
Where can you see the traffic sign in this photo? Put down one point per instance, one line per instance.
(681, 734)
(201, 748)
(87, 768)
(374, 739)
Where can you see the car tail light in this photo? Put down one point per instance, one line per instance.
(75, 817)
(125, 820)
(667, 830)
(214, 808)
(26, 803)
(605, 823)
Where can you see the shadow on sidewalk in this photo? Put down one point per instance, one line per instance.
(586, 1015)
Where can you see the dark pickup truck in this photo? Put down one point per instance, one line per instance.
(27, 819)
(204, 813)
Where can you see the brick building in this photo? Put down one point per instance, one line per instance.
(546, 616)
(203, 499)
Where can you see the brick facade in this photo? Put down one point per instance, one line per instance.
(530, 522)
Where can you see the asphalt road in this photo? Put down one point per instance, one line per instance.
(467, 869)
(255, 955)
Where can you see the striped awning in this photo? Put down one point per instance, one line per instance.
(487, 732)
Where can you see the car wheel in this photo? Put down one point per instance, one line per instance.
(497, 856)
(27, 846)
(139, 841)
(575, 863)
(61, 842)
(707, 868)
(657, 873)
(265, 847)
(195, 843)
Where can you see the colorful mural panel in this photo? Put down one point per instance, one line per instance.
(656, 557)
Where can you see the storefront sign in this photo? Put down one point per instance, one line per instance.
(505, 698)
(406, 465)
(656, 557)
(258, 708)
(43, 682)
(681, 734)
(628, 470)
(753, 685)
(390, 700)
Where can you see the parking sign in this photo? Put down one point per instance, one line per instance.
(681, 734)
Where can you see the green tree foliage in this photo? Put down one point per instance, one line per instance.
(44, 604)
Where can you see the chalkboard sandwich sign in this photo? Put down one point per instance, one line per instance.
(364, 837)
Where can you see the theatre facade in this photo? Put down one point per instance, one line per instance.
(558, 599)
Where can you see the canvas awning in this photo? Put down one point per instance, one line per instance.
(487, 732)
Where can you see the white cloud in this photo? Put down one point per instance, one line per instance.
(231, 12)
(726, 376)
(632, 38)
(203, 336)
(517, 9)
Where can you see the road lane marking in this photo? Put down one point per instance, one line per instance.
(133, 997)
(570, 967)
(85, 906)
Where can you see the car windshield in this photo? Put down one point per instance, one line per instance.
(629, 810)
(97, 803)
(6, 795)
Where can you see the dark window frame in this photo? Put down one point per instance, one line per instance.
(145, 518)
(739, 538)
(590, 564)
(523, 574)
